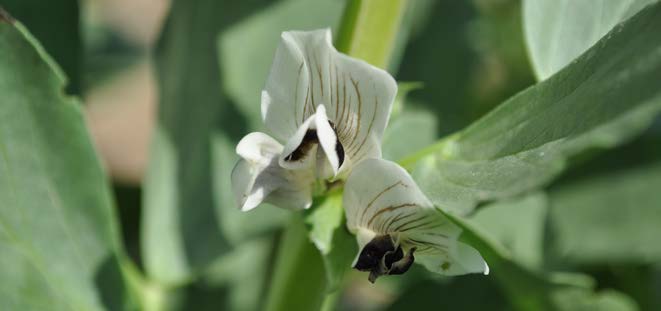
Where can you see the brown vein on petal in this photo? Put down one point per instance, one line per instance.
(313, 105)
(369, 128)
(369, 205)
(340, 122)
(298, 80)
(360, 108)
(321, 79)
(337, 93)
(305, 107)
(419, 226)
(398, 218)
(389, 209)
(409, 222)
(428, 243)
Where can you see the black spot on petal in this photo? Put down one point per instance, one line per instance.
(309, 140)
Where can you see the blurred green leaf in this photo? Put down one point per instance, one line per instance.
(518, 225)
(529, 290)
(412, 129)
(236, 281)
(330, 236)
(604, 98)
(557, 32)
(59, 241)
(465, 293)
(180, 228)
(55, 23)
(609, 218)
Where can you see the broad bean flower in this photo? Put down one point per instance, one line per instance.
(327, 112)
(395, 225)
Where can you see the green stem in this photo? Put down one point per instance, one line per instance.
(299, 281)
(369, 29)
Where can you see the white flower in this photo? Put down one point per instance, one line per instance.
(328, 109)
(395, 225)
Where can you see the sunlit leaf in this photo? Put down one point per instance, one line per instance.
(558, 31)
(59, 240)
(607, 96)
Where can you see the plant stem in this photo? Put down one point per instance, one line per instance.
(369, 29)
(299, 281)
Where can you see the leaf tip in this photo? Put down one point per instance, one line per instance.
(5, 17)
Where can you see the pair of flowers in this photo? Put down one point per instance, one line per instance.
(331, 110)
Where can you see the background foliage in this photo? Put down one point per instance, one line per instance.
(534, 125)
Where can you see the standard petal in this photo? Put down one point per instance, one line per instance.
(258, 177)
(361, 107)
(307, 72)
(298, 81)
(383, 203)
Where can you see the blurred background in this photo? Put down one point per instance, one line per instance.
(462, 57)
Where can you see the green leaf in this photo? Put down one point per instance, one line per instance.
(557, 32)
(58, 32)
(530, 290)
(59, 240)
(330, 236)
(524, 241)
(604, 98)
(412, 129)
(180, 228)
(616, 215)
(470, 292)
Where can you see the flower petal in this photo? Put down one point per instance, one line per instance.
(328, 140)
(382, 200)
(307, 72)
(258, 178)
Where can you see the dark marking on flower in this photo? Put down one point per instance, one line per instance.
(339, 149)
(371, 255)
(309, 140)
(381, 257)
(5, 17)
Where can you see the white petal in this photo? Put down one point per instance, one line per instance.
(258, 147)
(381, 198)
(328, 140)
(295, 85)
(258, 178)
(307, 72)
(361, 107)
